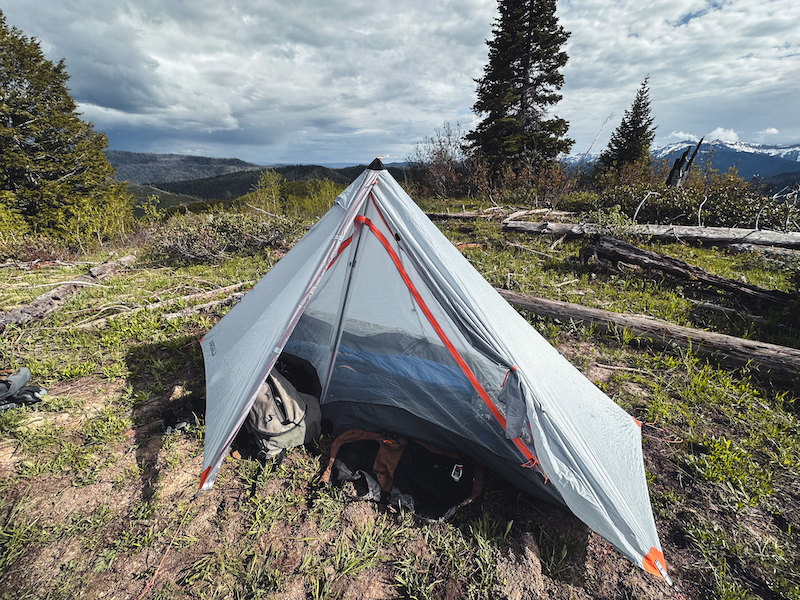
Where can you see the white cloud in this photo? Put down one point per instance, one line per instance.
(768, 131)
(724, 135)
(734, 61)
(681, 136)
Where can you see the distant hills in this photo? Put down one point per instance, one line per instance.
(147, 168)
(214, 178)
(224, 178)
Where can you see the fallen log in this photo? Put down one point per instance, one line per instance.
(684, 233)
(51, 301)
(497, 211)
(467, 215)
(544, 212)
(780, 362)
(614, 250)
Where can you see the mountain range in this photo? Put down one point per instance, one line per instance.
(775, 167)
(187, 178)
(148, 168)
(768, 163)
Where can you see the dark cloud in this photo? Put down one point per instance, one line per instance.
(321, 81)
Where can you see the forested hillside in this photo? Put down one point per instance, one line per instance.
(234, 185)
(145, 167)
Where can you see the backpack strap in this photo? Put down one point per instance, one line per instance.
(389, 453)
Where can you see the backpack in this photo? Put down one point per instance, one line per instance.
(282, 417)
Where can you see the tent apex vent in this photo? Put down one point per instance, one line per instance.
(376, 165)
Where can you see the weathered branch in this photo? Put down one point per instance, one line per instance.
(467, 215)
(686, 233)
(497, 211)
(53, 300)
(680, 170)
(37, 264)
(525, 248)
(768, 251)
(618, 251)
(156, 305)
(780, 362)
(204, 308)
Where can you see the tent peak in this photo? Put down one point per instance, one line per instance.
(376, 165)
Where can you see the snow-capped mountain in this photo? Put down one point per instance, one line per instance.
(750, 160)
(779, 165)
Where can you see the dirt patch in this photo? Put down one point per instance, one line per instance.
(519, 570)
(359, 514)
(106, 538)
(295, 590)
(9, 458)
(585, 357)
(88, 393)
(609, 575)
(371, 584)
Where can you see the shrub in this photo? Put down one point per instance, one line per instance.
(310, 198)
(213, 236)
(719, 200)
(267, 193)
(439, 166)
(580, 202)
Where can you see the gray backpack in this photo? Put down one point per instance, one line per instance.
(282, 417)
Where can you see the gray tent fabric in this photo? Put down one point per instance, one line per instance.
(406, 335)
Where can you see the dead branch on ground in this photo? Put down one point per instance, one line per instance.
(683, 233)
(780, 362)
(157, 305)
(616, 251)
(53, 300)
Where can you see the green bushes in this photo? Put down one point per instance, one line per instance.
(310, 198)
(721, 200)
(214, 236)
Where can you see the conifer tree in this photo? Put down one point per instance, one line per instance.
(631, 140)
(519, 85)
(53, 173)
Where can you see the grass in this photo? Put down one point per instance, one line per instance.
(94, 492)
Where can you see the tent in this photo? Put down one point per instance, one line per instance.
(406, 335)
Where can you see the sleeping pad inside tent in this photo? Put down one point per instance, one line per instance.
(405, 335)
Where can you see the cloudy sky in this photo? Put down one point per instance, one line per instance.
(342, 81)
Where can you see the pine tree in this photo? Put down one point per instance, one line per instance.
(630, 142)
(53, 173)
(519, 85)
